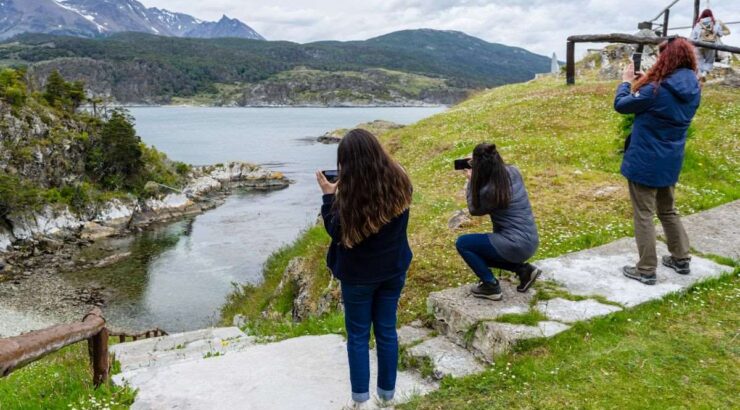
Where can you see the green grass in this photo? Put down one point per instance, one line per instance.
(679, 352)
(62, 380)
(251, 301)
(531, 318)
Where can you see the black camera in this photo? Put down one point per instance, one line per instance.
(461, 164)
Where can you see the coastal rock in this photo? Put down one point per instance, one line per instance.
(110, 260)
(6, 238)
(93, 231)
(116, 213)
(49, 222)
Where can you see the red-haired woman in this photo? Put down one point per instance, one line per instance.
(664, 102)
(708, 30)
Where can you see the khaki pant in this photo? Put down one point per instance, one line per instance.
(645, 201)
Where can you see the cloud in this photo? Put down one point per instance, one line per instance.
(541, 26)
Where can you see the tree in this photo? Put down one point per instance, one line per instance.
(62, 94)
(56, 88)
(115, 160)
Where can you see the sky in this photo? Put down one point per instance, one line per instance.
(540, 26)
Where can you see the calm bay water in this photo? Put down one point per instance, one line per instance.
(178, 275)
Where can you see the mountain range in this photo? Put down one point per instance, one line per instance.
(96, 18)
(425, 66)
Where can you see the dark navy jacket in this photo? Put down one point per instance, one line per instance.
(655, 154)
(377, 258)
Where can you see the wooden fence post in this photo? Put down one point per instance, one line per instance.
(666, 16)
(697, 6)
(98, 347)
(570, 64)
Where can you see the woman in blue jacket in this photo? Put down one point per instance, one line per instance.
(664, 102)
(366, 213)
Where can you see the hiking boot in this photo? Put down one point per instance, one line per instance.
(681, 266)
(527, 277)
(487, 290)
(632, 273)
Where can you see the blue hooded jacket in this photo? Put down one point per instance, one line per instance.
(662, 118)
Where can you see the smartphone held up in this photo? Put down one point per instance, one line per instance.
(331, 175)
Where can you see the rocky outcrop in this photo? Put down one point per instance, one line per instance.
(301, 281)
(615, 57)
(121, 214)
(377, 127)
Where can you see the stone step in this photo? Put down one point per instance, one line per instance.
(408, 335)
(165, 350)
(457, 312)
(309, 372)
(472, 323)
(447, 358)
(598, 271)
(715, 231)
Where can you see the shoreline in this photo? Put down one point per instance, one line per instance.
(33, 292)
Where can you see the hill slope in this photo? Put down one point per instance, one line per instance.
(135, 67)
(566, 142)
(94, 18)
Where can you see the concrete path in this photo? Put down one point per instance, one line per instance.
(225, 369)
(303, 373)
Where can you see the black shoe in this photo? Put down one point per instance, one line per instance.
(632, 273)
(527, 277)
(681, 266)
(487, 290)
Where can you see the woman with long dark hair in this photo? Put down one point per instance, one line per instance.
(497, 190)
(366, 213)
(664, 102)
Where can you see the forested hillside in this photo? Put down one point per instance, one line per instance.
(135, 67)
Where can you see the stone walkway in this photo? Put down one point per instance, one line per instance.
(223, 368)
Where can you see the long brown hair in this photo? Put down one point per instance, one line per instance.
(373, 188)
(490, 169)
(675, 53)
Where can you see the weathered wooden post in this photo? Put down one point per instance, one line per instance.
(98, 347)
(666, 16)
(697, 7)
(570, 64)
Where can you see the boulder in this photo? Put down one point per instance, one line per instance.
(93, 231)
(459, 219)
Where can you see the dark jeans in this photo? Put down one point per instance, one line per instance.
(478, 252)
(376, 305)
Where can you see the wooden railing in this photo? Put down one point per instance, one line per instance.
(570, 68)
(570, 64)
(18, 351)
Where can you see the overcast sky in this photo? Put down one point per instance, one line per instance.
(540, 26)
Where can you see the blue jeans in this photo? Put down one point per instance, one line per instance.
(376, 305)
(480, 254)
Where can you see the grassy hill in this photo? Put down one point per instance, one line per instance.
(139, 67)
(566, 141)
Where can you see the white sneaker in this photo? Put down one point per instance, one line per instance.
(353, 405)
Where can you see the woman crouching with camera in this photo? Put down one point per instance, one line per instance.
(366, 213)
(497, 189)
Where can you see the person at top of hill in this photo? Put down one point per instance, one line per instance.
(366, 213)
(497, 189)
(709, 30)
(664, 102)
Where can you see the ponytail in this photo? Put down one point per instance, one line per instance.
(489, 170)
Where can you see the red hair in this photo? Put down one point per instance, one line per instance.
(675, 53)
(704, 14)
